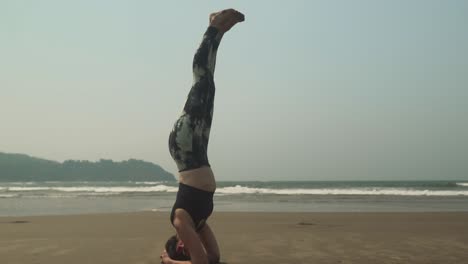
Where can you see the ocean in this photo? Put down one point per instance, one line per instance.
(52, 198)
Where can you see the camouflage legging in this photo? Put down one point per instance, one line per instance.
(188, 140)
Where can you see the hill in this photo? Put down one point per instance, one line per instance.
(21, 167)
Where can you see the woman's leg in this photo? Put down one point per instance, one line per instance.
(188, 140)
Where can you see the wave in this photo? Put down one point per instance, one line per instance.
(8, 195)
(147, 183)
(238, 189)
(464, 184)
(20, 189)
(235, 190)
(95, 189)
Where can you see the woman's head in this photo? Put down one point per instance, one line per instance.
(176, 250)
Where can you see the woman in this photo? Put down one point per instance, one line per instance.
(188, 142)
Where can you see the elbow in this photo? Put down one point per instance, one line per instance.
(200, 261)
(213, 258)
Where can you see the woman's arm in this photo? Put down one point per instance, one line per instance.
(167, 260)
(209, 242)
(205, 236)
(184, 227)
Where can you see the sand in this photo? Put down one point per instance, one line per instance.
(133, 238)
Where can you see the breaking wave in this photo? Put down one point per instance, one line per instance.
(97, 189)
(234, 190)
(238, 189)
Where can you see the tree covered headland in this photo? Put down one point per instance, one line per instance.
(20, 167)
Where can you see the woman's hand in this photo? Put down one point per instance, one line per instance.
(165, 258)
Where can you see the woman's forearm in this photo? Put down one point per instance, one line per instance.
(181, 262)
(184, 262)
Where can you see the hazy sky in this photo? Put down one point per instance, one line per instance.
(306, 90)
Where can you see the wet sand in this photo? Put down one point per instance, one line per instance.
(133, 238)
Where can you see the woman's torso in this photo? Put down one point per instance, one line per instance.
(200, 178)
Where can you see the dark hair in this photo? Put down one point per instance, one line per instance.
(171, 249)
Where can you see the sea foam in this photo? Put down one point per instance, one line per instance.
(96, 189)
(238, 189)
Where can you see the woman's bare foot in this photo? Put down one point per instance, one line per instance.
(226, 19)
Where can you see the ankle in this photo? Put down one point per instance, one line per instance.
(214, 32)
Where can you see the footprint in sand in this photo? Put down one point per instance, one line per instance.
(9, 247)
(62, 252)
(42, 249)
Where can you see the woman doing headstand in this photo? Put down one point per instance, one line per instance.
(188, 142)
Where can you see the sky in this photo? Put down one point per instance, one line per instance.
(305, 90)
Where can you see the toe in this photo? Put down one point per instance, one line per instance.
(240, 16)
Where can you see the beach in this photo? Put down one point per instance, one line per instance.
(138, 238)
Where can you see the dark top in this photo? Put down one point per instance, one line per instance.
(198, 204)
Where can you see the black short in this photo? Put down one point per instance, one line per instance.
(198, 204)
